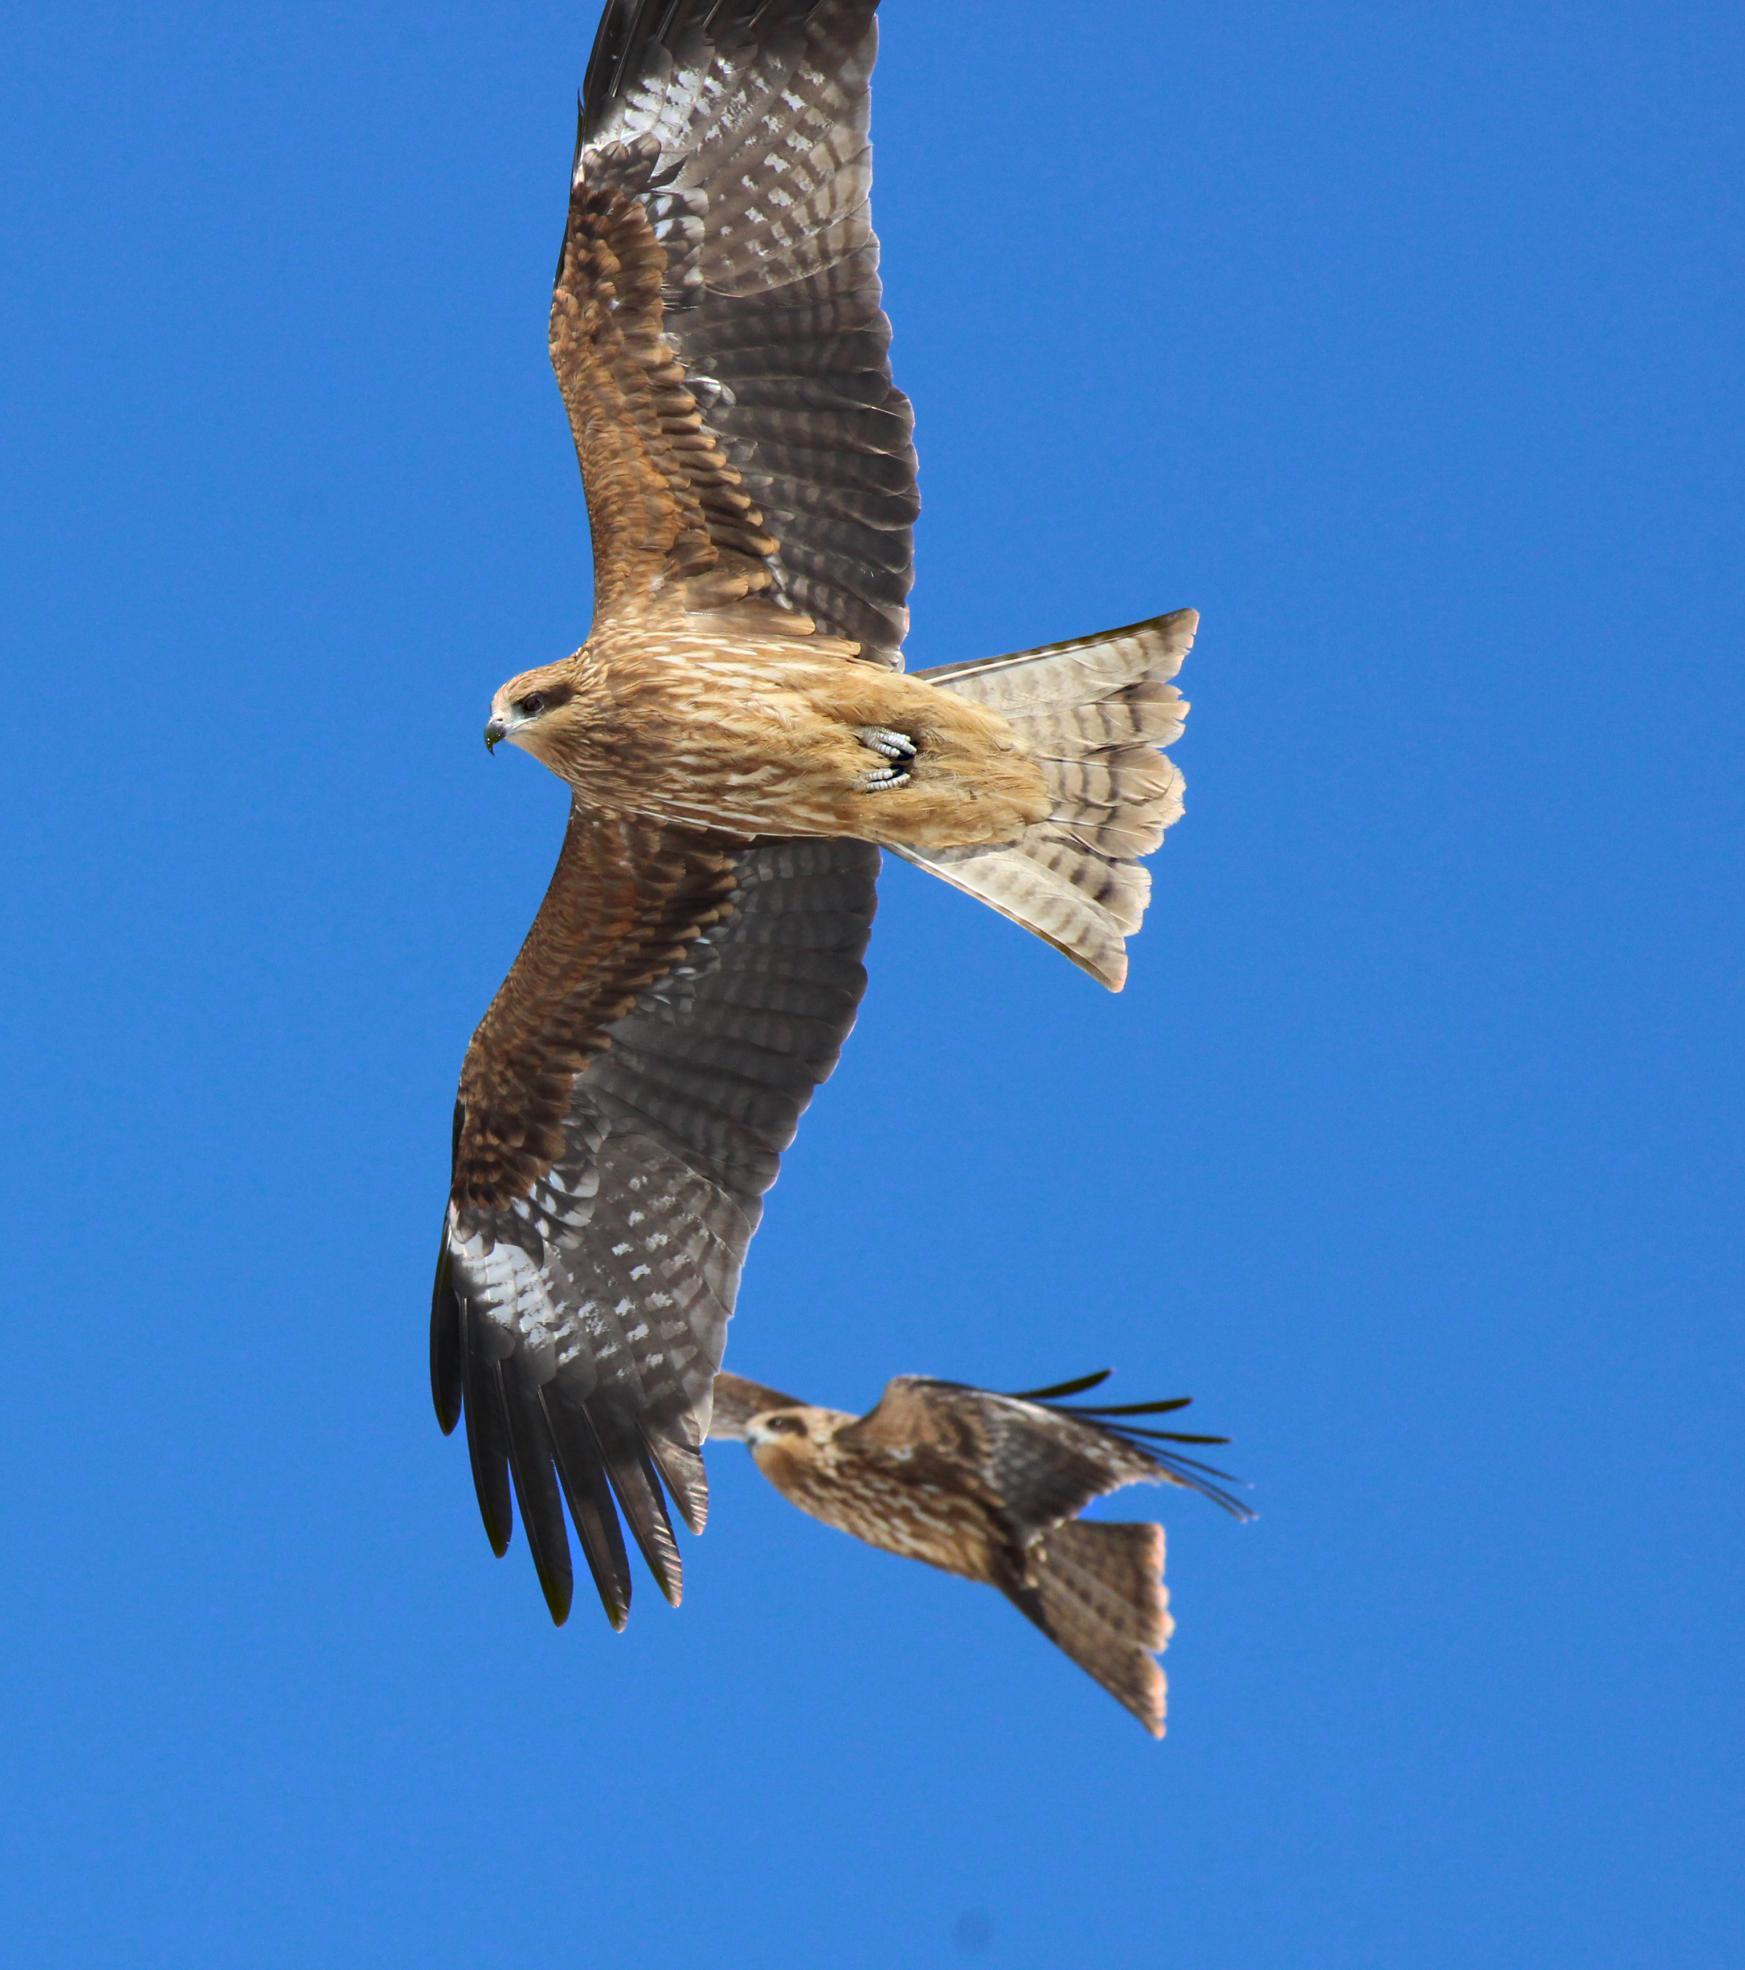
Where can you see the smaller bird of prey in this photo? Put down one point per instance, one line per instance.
(990, 1487)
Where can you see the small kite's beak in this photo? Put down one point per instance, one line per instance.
(493, 732)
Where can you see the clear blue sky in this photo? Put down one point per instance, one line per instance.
(1404, 342)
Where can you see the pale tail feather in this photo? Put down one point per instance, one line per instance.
(1097, 1591)
(1093, 713)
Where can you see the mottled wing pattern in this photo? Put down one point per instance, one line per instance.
(622, 1110)
(717, 327)
(1093, 1588)
(723, 356)
(737, 1401)
(1036, 1461)
(1030, 1472)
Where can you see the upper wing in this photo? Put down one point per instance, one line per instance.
(737, 1401)
(1036, 1462)
(716, 326)
(622, 1110)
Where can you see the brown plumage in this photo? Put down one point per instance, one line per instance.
(738, 738)
(989, 1487)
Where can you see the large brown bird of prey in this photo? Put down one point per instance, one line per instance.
(738, 737)
(990, 1487)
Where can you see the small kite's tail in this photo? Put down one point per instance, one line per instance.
(1092, 713)
(1097, 1591)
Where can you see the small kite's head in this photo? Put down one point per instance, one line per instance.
(799, 1435)
(527, 710)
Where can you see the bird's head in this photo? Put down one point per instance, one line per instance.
(529, 711)
(797, 1435)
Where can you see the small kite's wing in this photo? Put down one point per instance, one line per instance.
(1036, 1463)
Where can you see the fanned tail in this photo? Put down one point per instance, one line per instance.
(1096, 1591)
(1094, 714)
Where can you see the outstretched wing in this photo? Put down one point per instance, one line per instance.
(716, 326)
(622, 1110)
(718, 337)
(1036, 1462)
(737, 1401)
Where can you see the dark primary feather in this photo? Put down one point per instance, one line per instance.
(1165, 1408)
(587, 1489)
(487, 1436)
(1094, 1380)
(1207, 1479)
(606, 1293)
(531, 1459)
(1112, 1420)
(637, 1486)
(1076, 1461)
(447, 1354)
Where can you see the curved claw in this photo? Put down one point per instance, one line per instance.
(894, 745)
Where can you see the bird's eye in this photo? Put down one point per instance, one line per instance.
(531, 705)
(787, 1426)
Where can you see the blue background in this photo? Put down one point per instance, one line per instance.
(1402, 341)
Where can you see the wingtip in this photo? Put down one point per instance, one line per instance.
(614, 1593)
(447, 1363)
(1057, 1391)
(681, 1470)
(558, 1594)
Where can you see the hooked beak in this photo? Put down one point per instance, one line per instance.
(495, 731)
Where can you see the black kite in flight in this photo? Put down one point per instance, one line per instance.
(738, 736)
